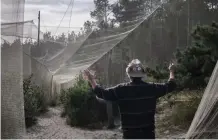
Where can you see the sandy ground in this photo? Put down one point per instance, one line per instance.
(52, 126)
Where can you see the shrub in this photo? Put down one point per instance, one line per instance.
(34, 101)
(185, 105)
(80, 105)
(196, 62)
(64, 101)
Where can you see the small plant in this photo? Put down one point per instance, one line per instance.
(184, 107)
(34, 101)
(80, 105)
(64, 101)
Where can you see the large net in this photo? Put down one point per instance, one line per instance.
(12, 99)
(65, 58)
(150, 30)
(204, 125)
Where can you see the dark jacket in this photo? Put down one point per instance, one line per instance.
(137, 105)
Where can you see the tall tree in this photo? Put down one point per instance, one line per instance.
(128, 10)
(61, 38)
(195, 63)
(101, 12)
(88, 26)
(48, 36)
(71, 37)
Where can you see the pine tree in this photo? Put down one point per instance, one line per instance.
(129, 10)
(101, 12)
(195, 63)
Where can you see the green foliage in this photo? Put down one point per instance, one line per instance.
(195, 63)
(124, 13)
(185, 104)
(179, 110)
(80, 105)
(100, 14)
(34, 101)
(102, 8)
(159, 73)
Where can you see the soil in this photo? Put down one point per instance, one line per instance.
(52, 126)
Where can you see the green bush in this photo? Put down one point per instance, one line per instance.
(34, 101)
(185, 105)
(80, 105)
(195, 63)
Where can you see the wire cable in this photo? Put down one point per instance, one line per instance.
(71, 14)
(63, 17)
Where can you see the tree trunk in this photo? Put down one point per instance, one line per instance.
(177, 32)
(188, 26)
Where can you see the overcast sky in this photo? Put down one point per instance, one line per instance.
(52, 12)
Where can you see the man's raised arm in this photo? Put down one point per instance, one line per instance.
(162, 89)
(108, 94)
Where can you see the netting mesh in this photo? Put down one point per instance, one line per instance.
(150, 34)
(204, 125)
(12, 99)
(30, 30)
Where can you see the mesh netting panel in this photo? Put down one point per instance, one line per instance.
(42, 77)
(204, 125)
(97, 44)
(12, 102)
(26, 61)
(25, 29)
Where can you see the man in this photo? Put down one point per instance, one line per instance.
(136, 100)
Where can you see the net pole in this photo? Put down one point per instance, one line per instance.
(39, 17)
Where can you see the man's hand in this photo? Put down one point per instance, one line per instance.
(90, 77)
(172, 68)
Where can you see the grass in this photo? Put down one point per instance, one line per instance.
(175, 113)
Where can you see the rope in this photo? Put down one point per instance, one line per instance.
(63, 17)
(71, 14)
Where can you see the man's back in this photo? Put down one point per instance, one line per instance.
(137, 104)
(136, 100)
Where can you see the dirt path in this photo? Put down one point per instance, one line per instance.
(52, 126)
